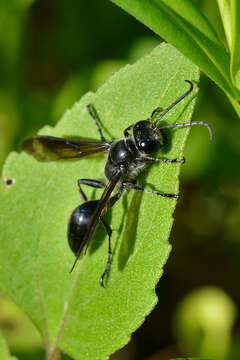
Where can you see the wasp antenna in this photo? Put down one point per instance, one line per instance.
(190, 124)
(174, 103)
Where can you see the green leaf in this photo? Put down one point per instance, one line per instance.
(190, 12)
(230, 13)
(225, 12)
(4, 351)
(195, 358)
(235, 48)
(200, 333)
(72, 311)
(21, 335)
(189, 32)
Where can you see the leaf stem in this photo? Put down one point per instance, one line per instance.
(56, 355)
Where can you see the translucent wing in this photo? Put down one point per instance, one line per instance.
(50, 148)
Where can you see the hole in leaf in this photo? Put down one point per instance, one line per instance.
(9, 182)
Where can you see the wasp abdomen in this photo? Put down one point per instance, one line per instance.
(79, 222)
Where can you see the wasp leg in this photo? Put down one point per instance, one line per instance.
(93, 183)
(109, 233)
(130, 185)
(93, 113)
(151, 159)
(98, 184)
(157, 110)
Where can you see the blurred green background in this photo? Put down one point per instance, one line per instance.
(52, 52)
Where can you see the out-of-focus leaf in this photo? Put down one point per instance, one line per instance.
(143, 46)
(8, 123)
(178, 28)
(204, 321)
(4, 351)
(19, 331)
(235, 48)
(73, 88)
(103, 71)
(73, 312)
(199, 151)
(193, 358)
(12, 20)
(225, 12)
(24, 3)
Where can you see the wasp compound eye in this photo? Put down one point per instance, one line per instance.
(146, 137)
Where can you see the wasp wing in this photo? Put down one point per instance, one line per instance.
(101, 208)
(50, 148)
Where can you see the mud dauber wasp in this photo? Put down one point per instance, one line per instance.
(126, 158)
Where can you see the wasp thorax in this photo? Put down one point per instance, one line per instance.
(120, 153)
(147, 137)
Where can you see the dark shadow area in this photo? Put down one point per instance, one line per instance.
(35, 355)
(130, 231)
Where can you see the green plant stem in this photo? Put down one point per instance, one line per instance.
(235, 104)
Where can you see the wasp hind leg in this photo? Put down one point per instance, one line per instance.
(93, 183)
(109, 233)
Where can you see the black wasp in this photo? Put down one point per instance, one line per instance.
(126, 157)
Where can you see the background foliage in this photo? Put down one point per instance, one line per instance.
(52, 53)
